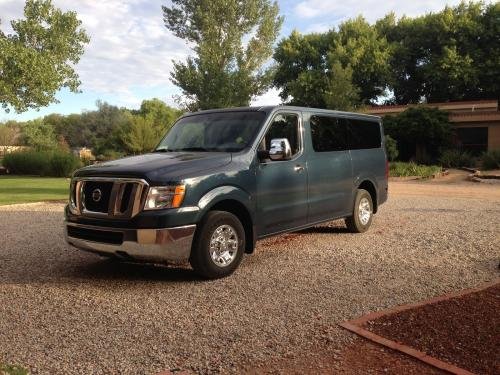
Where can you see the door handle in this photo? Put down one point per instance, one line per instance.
(298, 168)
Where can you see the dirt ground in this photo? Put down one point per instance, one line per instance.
(63, 311)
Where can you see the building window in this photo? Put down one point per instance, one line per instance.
(474, 140)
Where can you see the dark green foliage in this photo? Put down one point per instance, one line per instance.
(340, 69)
(450, 55)
(38, 58)
(491, 160)
(457, 159)
(41, 163)
(420, 132)
(391, 147)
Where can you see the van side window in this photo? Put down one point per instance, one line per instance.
(328, 133)
(363, 134)
(284, 125)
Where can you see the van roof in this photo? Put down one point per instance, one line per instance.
(268, 109)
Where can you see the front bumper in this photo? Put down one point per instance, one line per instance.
(153, 245)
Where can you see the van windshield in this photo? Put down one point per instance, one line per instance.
(219, 131)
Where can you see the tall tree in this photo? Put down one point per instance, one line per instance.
(38, 58)
(311, 68)
(162, 116)
(39, 135)
(232, 41)
(141, 135)
(450, 55)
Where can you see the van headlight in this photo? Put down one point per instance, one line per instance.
(160, 197)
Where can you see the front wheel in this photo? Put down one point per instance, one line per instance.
(362, 215)
(218, 246)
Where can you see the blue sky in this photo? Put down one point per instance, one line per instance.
(130, 54)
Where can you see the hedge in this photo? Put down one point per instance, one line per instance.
(42, 163)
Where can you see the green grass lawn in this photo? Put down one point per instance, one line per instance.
(24, 189)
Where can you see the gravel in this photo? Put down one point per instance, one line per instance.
(63, 311)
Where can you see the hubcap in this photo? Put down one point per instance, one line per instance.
(223, 245)
(364, 211)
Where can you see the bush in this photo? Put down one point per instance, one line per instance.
(42, 163)
(391, 147)
(457, 159)
(400, 169)
(63, 164)
(491, 159)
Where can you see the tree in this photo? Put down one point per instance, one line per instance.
(420, 132)
(141, 135)
(39, 135)
(39, 57)
(162, 116)
(232, 41)
(311, 69)
(341, 93)
(450, 55)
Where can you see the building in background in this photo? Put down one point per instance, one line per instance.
(476, 123)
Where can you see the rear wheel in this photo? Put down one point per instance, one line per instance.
(362, 215)
(218, 246)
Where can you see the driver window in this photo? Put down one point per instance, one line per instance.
(284, 125)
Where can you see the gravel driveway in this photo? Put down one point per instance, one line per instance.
(63, 311)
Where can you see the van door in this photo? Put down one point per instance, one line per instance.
(329, 169)
(282, 185)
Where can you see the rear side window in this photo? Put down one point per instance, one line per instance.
(328, 134)
(363, 134)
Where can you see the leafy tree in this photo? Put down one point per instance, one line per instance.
(311, 69)
(420, 132)
(232, 40)
(162, 116)
(341, 93)
(39, 135)
(141, 135)
(38, 58)
(450, 55)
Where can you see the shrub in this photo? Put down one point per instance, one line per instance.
(457, 159)
(491, 159)
(391, 146)
(400, 169)
(27, 162)
(62, 164)
(42, 163)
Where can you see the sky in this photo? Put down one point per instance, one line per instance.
(129, 57)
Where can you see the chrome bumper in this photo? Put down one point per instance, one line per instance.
(154, 245)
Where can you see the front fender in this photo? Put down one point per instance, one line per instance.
(223, 193)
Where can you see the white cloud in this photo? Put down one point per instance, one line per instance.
(129, 48)
(370, 9)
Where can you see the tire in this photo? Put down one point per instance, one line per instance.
(359, 222)
(228, 245)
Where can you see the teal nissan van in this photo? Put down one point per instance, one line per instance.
(222, 179)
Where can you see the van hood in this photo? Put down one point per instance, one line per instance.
(159, 167)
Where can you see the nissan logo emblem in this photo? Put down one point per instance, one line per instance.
(96, 195)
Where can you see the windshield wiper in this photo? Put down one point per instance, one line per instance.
(162, 150)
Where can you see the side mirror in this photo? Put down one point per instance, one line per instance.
(280, 149)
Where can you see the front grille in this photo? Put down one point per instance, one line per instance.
(102, 236)
(110, 197)
(96, 195)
